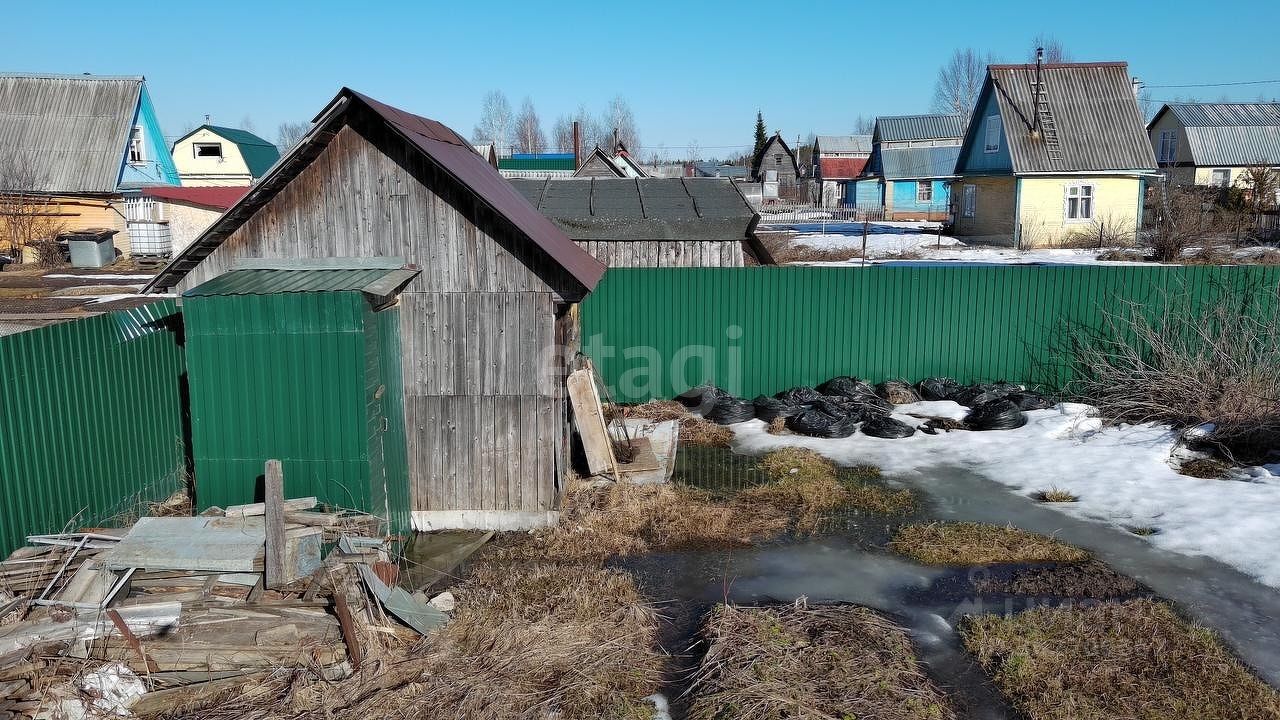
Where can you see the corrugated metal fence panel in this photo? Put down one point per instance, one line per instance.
(278, 376)
(394, 446)
(92, 423)
(655, 331)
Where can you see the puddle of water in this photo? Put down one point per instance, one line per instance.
(848, 563)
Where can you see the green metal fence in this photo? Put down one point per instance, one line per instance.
(656, 331)
(91, 420)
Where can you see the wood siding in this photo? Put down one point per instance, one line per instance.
(665, 253)
(484, 414)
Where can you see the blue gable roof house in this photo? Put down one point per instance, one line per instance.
(912, 163)
(85, 144)
(1055, 154)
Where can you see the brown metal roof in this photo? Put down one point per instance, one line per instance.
(445, 148)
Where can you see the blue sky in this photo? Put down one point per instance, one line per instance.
(693, 71)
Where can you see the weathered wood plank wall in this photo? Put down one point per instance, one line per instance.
(484, 411)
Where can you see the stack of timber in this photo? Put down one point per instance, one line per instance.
(163, 615)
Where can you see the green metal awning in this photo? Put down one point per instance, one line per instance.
(377, 282)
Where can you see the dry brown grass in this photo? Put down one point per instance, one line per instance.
(825, 663)
(1135, 659)
(599, 521)
(1121, 255)
(811, 486)
(693, 429)
(1205, 468)
(1090, 579)
(1055, 495)
(784, 249)
(967, 543)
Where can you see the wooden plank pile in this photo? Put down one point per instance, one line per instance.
(173, 609)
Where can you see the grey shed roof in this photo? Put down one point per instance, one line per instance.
(75, 128)
(1229, 133)
(919, 162)
(1092, 105)
(898, 128)
(638, 209)
(844, 144)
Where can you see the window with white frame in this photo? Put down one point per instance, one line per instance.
(209, 150)
(970, 207)
(924, 191)
(136, 152)
(1168, 146)
(993, 134)
(1221, 178)
(1079, 205)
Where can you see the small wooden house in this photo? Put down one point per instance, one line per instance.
(912, 162)
(838, 159)
(776, 162)
(485, 419)
(653, 222)
(1214, 144)
(1055, 153)
(214, 155)
(600, 164)
(81, 144)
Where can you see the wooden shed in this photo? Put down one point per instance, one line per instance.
(653, 222)
(485, 419)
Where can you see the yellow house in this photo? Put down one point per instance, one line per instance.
(1055, 155)
(211, 155)
(1213, 144)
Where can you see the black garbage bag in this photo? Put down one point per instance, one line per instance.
(701, 398)
(1002, 414)
(816, 423)
(1030, 400)
(975, 395)
(846, 386)
(729, 410)
(799, 395)
(897, 392)
(769, 409)
(938, 388)
(887, 427)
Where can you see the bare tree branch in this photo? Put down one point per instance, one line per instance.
(959, 82)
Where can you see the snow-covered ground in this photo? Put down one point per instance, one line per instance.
(887, 241)
(1121, 475)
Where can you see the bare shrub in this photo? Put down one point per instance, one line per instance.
(28, 216)
(1111, 231)
(1180, 224)
(1186, 364)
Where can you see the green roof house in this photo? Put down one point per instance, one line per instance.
(213, 155)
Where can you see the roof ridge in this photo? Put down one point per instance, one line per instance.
(71, 76)
(1058, 66)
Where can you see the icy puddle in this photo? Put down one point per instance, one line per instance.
(849, 563)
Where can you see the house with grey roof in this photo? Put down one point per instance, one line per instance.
(910, 168)
(81, 143)
(1214, 144)
(212, 155)
(1055, 153)
(652, 222)
(838, 159)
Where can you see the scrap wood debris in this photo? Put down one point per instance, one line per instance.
(171, 611)
(694, 430)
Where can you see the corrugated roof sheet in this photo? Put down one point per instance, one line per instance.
(1230, 134)
(263, 281)
(219, 198)
(75, 128)
(843, 144)
(553, 163)
(441, 146)
(919, 162)
(638, 209)
(1099, 125)
(898, 128)
(1226, 114)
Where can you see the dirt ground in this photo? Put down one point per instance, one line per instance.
(31, 296)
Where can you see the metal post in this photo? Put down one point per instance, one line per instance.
(1101, 226)
(865, 226)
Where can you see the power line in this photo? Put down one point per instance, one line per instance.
(1224, 84)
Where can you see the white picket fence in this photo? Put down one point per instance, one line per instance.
(791, 214)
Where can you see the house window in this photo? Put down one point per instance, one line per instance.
(1221, 178)
(970, 201)
(211, 150)
(993, 134)
(924, 191)
(1168, 146)
(1079, 203)
(136, 154)
(777, 160)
